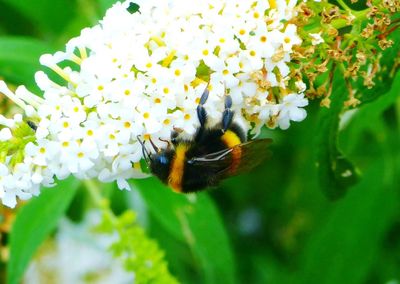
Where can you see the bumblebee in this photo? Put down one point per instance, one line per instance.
(211, 156)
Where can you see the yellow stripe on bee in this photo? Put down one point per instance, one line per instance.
(231, 140)
(177, 168)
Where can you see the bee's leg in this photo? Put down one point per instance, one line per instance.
(227, 115)
(202, 115)
(146, 155)
(32, 125)
(201, 111)
(166, 141)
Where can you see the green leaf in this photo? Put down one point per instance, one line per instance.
(34, 222)
(195, 220)
(19, 58)
(105, 4)
(336, 172)
(344, 249)
(47, 15)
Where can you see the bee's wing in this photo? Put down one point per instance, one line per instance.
(252, 154)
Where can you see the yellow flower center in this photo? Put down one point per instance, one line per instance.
(263, 38)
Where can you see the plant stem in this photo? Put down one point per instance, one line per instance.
(94, 192)
(344, 6)
(99, 201)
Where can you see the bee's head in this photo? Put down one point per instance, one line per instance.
(160, 159)
(158, 162)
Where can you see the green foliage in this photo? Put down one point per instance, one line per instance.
(139, 254)
(355, 230)
(19, 58)
(45, 15)
(351, 133)
(385, 76)
(34, 223)
(194, 220)
(105, 4)
(336, 245)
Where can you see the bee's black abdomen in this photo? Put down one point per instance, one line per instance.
(198, 178)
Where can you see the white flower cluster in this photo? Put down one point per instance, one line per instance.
(142, 74)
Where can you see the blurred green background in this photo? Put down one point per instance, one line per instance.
(275, 225)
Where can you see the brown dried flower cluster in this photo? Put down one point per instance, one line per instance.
(351, 43)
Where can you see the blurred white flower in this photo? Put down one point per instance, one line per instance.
(5, 134)
(77, 254)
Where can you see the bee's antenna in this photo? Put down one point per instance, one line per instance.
(166, 141)
(145, 154)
